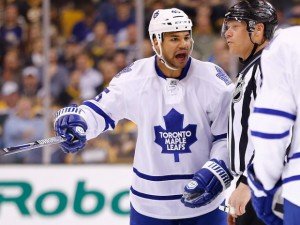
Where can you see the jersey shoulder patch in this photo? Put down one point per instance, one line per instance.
(222, 75)
(127, 69)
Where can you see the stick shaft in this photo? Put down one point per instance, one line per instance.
(32, 145)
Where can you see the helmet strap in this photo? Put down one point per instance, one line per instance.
(255, 46)
(160, 54)
(162, 58)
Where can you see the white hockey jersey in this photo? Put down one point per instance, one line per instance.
(182, 123)
(275, 121)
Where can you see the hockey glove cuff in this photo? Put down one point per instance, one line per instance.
(207, 184)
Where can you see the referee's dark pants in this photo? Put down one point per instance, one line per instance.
(249, 217)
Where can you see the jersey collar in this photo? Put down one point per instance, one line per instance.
(250, 59)
(183, 72)
(245, 67)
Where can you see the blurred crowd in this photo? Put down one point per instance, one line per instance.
(91, 41)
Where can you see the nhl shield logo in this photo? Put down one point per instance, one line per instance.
(238, 92)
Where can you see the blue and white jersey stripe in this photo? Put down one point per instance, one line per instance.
(163, 178)
(275, 112)
(270, 135)
(219, 137)
(109, 122)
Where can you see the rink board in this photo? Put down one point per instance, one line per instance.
(59, 195)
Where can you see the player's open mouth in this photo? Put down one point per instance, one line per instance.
(181, 56)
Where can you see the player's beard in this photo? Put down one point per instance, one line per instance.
(178, 61)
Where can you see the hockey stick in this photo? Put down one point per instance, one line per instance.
(32, 145)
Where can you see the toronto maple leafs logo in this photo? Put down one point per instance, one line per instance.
(175, 139)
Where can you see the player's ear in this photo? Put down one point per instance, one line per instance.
(155, 44)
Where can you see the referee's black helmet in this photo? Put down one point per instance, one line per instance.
(253, 12)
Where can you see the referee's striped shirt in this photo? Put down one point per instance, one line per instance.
(248, 84)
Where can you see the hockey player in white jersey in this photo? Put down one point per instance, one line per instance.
(180, 106)
(274, 124)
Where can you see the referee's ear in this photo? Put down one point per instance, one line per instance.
(258, 33)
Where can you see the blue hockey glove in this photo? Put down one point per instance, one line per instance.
(207, 184)
(70, 125)
(268, 205)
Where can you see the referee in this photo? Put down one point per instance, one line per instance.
(247, 28)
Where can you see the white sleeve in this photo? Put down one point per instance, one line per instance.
(104, 112)
(219, 123)
(273, 116)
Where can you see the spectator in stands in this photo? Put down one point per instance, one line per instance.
(90, 78)
(120, 59)
(126, 133)
(9, 98)
(34, 11)
(204, 36)
(34, 32)
(11, 66)
(11, 32)
(58, 75)
(127, 40)
(218, 10)
(82, 30)
(106, 10)
(123, 17)
(71, 94)
(70, 51)
(30, 81)
(35, 54)
(30, 88)
(221, 56)
(108, 69)
(109, 46)
(23, 127)
(95, 47)
(97, 151)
